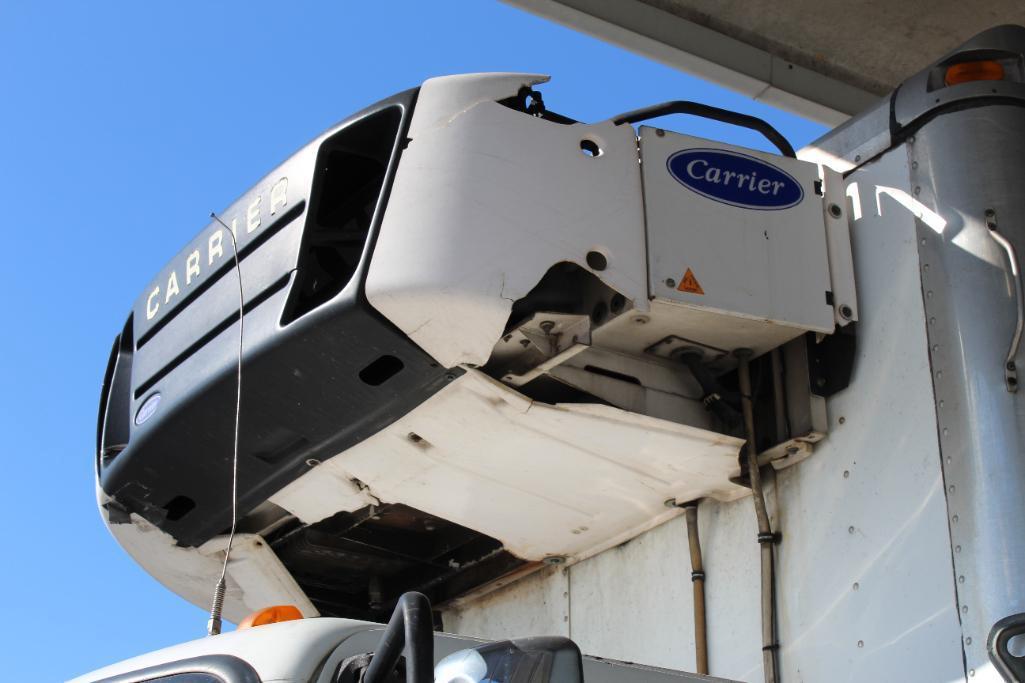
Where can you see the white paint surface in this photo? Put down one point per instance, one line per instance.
(769, 266)
(882, 525)
(615, 616)
(566, 479)
(500, 615)
(444, 98)
(255, 579)
(485, 201)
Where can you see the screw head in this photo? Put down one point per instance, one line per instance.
(554, 560)
(547, 326)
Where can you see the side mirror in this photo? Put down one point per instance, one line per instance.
(526, 660)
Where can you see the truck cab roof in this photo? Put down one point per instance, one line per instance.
(311, 650)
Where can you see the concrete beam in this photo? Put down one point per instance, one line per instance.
(667, 38)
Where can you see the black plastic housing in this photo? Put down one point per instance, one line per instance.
(321, 370)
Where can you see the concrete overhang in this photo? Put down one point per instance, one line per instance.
(822, 59)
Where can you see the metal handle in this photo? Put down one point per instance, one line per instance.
(1010, 370)
(709, 112)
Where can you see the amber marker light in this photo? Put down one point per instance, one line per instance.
(981, 70)
(271, 615)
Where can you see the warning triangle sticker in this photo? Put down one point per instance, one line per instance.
(690, 284)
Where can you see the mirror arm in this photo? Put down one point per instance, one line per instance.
(411, 627)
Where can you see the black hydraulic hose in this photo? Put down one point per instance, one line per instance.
(411, 627)
(709, 112)
(716, 398)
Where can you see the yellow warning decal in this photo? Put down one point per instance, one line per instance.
(690, 284)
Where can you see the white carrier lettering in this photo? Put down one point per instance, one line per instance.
(213, 247)
(253, 215)
(193, 265)
(699, 169)
(172, 287)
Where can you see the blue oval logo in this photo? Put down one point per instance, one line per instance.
(147, 409)
(736, 179)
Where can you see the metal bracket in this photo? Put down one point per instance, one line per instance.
(1010, 370)
(790, 452)
(668, 346)
(1010, 666)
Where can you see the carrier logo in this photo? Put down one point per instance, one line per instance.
(147, 409)
(736, 179)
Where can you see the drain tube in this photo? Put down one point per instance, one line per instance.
(697, 577)
(766, 539)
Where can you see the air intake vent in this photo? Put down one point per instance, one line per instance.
(346, 194)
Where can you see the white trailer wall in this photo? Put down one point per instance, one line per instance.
(864, 572)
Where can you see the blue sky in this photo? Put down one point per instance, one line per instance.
(123, 126)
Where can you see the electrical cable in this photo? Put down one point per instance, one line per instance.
(213, 626)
